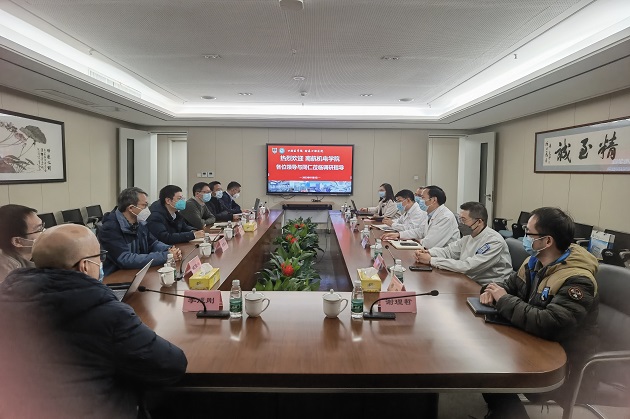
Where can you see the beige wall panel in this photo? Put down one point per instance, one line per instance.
(364, 193)
(162, 162)
(29, 195)
(387, 152)
(18, 103)
(77, 165)
(4, 194)
(104, 172)
(532, 183)
(585, 197)
(615, 203)
(620, 104)
(254, 167)
(444, 169)
(201, 153)
(334, 136)
(556, 190)
(593, 110)
(509, 170)
(561, 118)
(281, 135)
(230, 156)
(55, 197)
(413, 158)
(308, 136)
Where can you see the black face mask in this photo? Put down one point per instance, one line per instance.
(465, 229)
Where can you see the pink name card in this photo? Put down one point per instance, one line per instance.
(401, 302)
(221, 245)
(211, 298)
(379, 263)
(395, 284)
(365, 242)
(193, 266)
(238, 230)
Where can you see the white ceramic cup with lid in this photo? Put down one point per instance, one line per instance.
(332, 304)
(255, 303)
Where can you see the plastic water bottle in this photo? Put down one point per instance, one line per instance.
(170, 261)
(229, 224)
(357, 301)
(365, 233)
(398, 270)
(236, 300)
(378, 250)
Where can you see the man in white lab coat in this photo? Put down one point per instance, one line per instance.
(411, 216)
(482, 254)
(441, 226)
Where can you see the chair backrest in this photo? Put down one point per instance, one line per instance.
(73, 216)
(523, 218)
(622, 240)
(499, 224)
(582, 231)
(48, 218)
(517, 252)
(94, 211)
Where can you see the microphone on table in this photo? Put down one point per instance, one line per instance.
(180, 274)
(390, 253)
(200, 314)
(391, 316)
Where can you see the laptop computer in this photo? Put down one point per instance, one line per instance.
(359, 213)
(121, 291)
(256, 204)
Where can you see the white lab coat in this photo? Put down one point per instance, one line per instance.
(414, 217)
(484, 258)
(385, 209)
(440, 230)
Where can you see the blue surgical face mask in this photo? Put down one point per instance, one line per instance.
(381, 194)
(180, 205)
(219, 194)
(400, 207)
(423, 205)
(527, 245)
(207, 197)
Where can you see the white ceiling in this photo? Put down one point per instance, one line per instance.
(456, 59)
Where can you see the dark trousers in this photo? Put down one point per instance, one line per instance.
(504, 406)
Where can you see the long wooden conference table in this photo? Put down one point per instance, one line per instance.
(292, 347)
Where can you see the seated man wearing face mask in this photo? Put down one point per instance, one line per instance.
(196, 213)
(411, 216)
(165, 221)
(126, 237)
(72, 350)
(216, 204)
(19, 227)
(481, 254)
(230, 195)
(441, 228)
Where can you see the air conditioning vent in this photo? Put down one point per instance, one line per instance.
(111, 82)
(65, 96)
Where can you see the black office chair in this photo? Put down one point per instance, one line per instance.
(94, 213)
(610, 367)
(518, 228)
(619, 255)
(48, 218)
(72, 216)
(500, 225)
(517, 252)
(582, 234)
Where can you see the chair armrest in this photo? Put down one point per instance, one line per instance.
(92, 220)
(582, 242)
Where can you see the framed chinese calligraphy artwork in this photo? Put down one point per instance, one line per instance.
(31, 149)
(602, 147)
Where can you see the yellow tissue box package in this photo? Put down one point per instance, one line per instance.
(250, 226)
(201, 281)
(370, 281)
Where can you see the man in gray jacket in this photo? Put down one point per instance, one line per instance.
(196, 212)
(481, 254)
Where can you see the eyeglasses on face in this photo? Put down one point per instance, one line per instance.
(40, 229)
(102, 255)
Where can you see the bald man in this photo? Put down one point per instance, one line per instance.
(74, 349)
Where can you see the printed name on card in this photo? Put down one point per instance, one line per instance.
(193, 266)
(403, 302)
(212, 299)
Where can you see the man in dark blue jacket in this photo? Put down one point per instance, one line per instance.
(229, 197)
(165, 221)
(72, 350)
(126, 237)
(217, 206)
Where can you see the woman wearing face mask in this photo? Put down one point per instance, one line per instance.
(386, 206)
(19, 227)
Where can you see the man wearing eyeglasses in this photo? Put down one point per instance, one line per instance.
(71, 348)
(19, 227)
(481, 253)
(553, 295)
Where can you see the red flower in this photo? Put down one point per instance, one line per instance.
(289, 237)
(287, 270)
(302, 225)
(293, 240)
(297, 226)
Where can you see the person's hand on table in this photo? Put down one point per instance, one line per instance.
(495, 290)
(236, 217)
(390, 236)
(199, 234)
(177, 254)
(423, 256)
(388, 221)
(486, 298)
(363, 209)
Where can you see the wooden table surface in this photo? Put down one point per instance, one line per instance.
(293, 347)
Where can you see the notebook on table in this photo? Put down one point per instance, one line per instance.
(122, 291)
(478, 308)
(406, 245)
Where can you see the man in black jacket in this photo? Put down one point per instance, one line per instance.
(216, 204)
(230, 195)
(165, 221)
(71, 349)
(553, 296)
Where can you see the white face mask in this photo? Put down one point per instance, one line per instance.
(143, 214)
(236, 195)
(32, 241)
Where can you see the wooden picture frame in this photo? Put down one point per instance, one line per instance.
(600, 147)
(32, 149)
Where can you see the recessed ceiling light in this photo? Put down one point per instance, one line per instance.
(211, 56)
(366, 95)
(245, 94)
(406, 99)
(390, 57)
(299, 78)
(208, 97)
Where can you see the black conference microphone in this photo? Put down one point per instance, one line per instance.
(180, 274)
(391, 316)
(200, 314)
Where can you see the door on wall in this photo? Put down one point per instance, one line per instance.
(178, 164)
(137, 160)
(442, 167)
(476, 171)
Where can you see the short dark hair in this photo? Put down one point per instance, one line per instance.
(555, 223)
(389, 192)
(13, 224)
(128, 197)
(406, 193)
(169, 192)
(198, 187)
(233, 184)
(476, 210)
(213, 184)
(436, 192)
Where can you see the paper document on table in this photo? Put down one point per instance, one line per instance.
(406, 245)
(383, 227)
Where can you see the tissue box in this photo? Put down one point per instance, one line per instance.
(204, 281)
(250, 226)
(370, 281)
